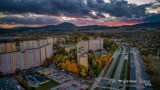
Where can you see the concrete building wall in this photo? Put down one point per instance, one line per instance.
(49, 50)
(42, 42)
(7, 47)
(94, 45)
(55, 40)
(9, 62)
(83, 59)
(3, 65)
(42, 55)
(36, 58)
(25, 45)
(29, 56)
(50, 40)
(84, 45)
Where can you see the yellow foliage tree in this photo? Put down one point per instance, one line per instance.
(83, 72)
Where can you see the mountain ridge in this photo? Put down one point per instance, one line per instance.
(70, 26)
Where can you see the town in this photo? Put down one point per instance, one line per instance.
(72, 62)
(79, 44)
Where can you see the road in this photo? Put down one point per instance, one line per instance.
(118, 70)
(139, 85)
(104, 82)
(116, 54)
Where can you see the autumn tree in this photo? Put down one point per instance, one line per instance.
(91, 73)
(45, 63)
(83, 72)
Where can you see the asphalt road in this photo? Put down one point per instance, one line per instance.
(139, 85)
(104, 81)
(115, 55)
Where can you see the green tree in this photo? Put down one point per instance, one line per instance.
(18, 70)
(45, 63)
(91, 73)
(1, 74)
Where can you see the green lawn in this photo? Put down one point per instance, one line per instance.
(122, 48)
(116, 65)
(47, 86)
(123, 70)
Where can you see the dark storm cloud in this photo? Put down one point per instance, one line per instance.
(152, 18)
(28, 20)
(119, 8)
(73, 8)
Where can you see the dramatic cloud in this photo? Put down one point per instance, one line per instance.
(28, 19)
(77, 11)
(152, 18)
(73, 8)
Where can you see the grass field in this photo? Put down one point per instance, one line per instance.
(123, 70)
(116, 65)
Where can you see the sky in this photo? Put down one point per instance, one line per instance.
(15, 13)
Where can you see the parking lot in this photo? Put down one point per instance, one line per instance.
(66, 80)
(71, 85)
(35, 80)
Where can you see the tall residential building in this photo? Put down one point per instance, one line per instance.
(31, 58)
(82, 58)
(7, 47)
(42, 55)
(25, 45)
(96, 44)
(32, 54)
(50, 40)
(42, 42)
(83, 45)
(9, 62)
(87, 45)
(55, 40)
(49, 50)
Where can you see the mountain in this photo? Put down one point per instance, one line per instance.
(65, 25)
(61, 26)
(92, 27)
(69, 26)
(148, 25)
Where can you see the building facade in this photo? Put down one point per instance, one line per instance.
(7, 47)
(82, 58)
(29, 56)
(87, 45)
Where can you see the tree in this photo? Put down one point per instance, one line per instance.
(45, 63)
(94, 64)
(83, 72)
(1, 74)
(91, 73)
(18, 70)
(74, 68)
